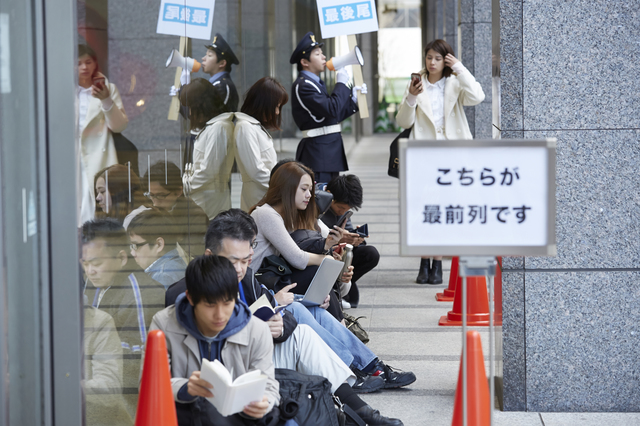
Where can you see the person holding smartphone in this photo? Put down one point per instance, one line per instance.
(100, 112)
(433, 107)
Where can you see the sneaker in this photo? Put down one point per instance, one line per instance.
(366, 383)
(345, 304)
(374, 418)
(393, 378)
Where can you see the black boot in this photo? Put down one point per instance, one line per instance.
(374, 418)
(435, 273)
(423, 274)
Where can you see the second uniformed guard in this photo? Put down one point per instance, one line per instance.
(217, 62)
(319, 114)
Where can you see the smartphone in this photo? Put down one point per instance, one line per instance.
(98, 82)
(362, 230)
(344, 218)
(415, 78)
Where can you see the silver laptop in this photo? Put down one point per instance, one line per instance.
(326, 275)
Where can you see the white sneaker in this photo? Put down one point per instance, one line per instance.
(345, 304)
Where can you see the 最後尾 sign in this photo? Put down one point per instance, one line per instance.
(190, 18)
(466, 197)
(344, 17)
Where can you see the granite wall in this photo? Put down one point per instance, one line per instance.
(570, 323)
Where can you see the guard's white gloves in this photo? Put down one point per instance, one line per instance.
(173, 91)
(187, 177)
(342, 76)
(355, 89)
(185, 77)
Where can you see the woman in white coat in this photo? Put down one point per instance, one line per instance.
(206, 180)
(432, 105)
(100, 112)
(255, 154)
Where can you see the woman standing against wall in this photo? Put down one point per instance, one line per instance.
(100, 112)
(432, 105)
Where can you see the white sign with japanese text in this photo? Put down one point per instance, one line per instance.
(186, 18)
(344, 17)
(478, 197)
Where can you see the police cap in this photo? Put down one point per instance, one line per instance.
(307, 44)
(222, 49)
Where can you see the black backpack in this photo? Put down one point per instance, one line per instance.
(306, 399)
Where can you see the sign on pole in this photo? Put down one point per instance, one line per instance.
(186, 18)
(478, 198)
(344, 17)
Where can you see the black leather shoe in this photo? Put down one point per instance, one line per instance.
(423, 274)
(374, 418)
(366, 383)
(393, 378)
(435, 272)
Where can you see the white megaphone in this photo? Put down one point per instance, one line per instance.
(352, 58)
(177, 60)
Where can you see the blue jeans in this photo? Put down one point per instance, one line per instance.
(343, 342)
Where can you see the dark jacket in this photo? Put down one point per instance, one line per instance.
(227, 91)
(313, 107)
(253, 290)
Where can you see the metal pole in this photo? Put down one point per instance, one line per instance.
(129, 176)
(106, 185)
(148, 172)
(165, 168)
(492, 385)
(464, 351)
(181, 159)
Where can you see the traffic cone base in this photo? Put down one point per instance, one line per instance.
(477, 305)
(478, 398)
(454, 281)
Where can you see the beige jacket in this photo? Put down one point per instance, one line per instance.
(98, 149)
(255, 156)
(247, 350)
(461, 90)
(212, 162)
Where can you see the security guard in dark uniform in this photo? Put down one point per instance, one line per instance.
(319, 114)
(217, 52)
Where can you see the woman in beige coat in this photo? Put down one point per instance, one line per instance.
(100, 112)
(433, 106)
(255, 153)
(206, 180)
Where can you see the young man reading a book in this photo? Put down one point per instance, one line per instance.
(297, 346)
(208, 322)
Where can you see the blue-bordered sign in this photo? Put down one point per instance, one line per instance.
(343, 17)
(190, 18)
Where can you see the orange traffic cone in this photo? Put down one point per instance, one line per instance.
(454, 280)
(477, 304)
(478, 408)
(155, 402)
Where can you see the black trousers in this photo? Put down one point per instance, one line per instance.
(365, 258)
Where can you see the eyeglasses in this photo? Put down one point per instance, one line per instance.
(254, 244)
(152, 196)
(136, 246)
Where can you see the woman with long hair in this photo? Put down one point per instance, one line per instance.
(119, 194)
(255, 153)
(207, 178)
(100, 113)
(433, 106)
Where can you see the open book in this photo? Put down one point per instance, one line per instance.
(231, 396)
(262, 308)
